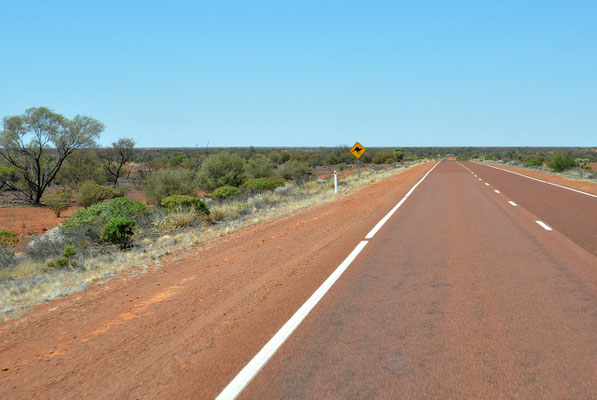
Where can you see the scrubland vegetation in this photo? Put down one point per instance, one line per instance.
(134, 206)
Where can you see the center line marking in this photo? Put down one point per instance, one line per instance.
(539, 180)
(246, 375)
(513, 203)
(486, 184)
(480, 179)
(497, 191)
(547, 228)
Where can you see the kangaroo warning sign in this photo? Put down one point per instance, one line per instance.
(358, 150)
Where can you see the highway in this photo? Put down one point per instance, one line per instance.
(450, 280)
(482, 285)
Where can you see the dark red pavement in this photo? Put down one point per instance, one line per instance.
(459, 295)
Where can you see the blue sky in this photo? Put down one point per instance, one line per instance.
(309, 73)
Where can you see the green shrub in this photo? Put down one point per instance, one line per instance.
(180, 202)
(119, 231)
(175, 161)
(398, 154)
(583, 163)
(560, 162)
(59, 201)
(263, 184)
(383, 157)
(260, 166)
(342, 166)
(67, 258)
(8, 237)
(69, 251)
(168, 182)
(224, 192)
(295, 170)
(533, 162)
(100, 213)
(222, 169)
(91, 193)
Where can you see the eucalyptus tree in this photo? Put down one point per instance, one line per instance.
(114, 158)
(37, 143)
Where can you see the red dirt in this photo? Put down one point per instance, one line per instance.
(28, 221)
(560, 180)
(185, 329)
(593, 166)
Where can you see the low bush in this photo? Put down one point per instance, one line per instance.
(67, 259)
(7, 256)
(383, 157)
(583, 163)
(118, 230)
(90, 193)
(180, 202)
(560, 162)
(101, 213)
(59, 201)
(168, 182)
(222, 169)
(263, 184)
(295, 170)
(260, 166)
(224, 192)
(8, 237)
(533, 162)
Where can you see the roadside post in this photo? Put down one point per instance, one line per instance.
(358, 150)
(336, 182)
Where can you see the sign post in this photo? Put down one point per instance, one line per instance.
(336, 182)
(358, 150)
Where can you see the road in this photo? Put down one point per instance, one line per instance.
(461, 293)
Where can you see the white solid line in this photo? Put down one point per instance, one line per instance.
(547, 228)
(539, 180)
(486, 184)
(236, 386)
(513, 203)
(497, 191)
(397, 206)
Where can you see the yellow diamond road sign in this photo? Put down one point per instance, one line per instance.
(358, 150)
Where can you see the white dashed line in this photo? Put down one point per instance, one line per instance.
(513, 203)
(480, 179)
(540, 180)
(486, 184)
(542, 224)
(497, 191)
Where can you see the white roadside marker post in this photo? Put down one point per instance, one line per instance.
(336, 182)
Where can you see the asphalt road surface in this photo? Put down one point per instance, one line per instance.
(477, 287)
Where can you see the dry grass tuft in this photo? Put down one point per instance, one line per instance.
(227, 210)
(175, 220)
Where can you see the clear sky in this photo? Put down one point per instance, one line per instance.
(309, 73)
